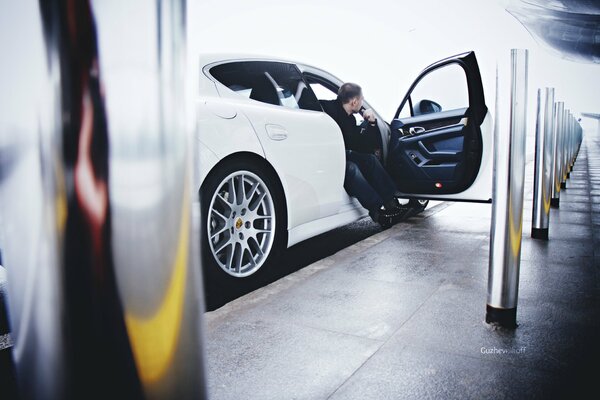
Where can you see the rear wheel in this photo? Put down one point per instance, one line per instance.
(243, 223)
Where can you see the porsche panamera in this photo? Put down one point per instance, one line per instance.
(271, 162)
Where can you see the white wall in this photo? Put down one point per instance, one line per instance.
(383, 44)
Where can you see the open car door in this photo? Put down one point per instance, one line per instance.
(441, 136)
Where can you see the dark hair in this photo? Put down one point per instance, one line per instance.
(348, 91)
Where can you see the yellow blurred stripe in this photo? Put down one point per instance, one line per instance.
(154, 339)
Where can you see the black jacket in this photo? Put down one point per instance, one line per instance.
(355, 138)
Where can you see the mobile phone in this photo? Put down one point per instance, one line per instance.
(361, 112)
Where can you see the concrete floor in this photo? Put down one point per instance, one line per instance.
(401, 314)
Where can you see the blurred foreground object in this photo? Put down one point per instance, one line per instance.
(95, 213)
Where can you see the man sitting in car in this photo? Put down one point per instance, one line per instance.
(365, 177)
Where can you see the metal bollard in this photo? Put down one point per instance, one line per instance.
(507, 207)
(564, 145)
(571, 134)
(543, 164)
(557, 159)
(555, 198)
(96, 201)
(569, 146)
(573, 142)
(579, 138)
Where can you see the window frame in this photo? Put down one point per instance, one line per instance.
(207, 71)
(441, 64)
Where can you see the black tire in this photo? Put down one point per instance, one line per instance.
(236, 265)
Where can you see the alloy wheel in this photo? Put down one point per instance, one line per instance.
(241, 223)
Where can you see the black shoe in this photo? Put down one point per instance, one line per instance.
(385, 217)
(396, 207)
(393, 204)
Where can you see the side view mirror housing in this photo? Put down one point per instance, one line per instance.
(426, 107)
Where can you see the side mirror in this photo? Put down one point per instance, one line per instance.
(426, 107)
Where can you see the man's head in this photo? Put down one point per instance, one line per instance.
(350, 94)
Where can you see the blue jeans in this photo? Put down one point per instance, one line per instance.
(367, 180)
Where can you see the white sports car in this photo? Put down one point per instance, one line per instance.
(271, 162)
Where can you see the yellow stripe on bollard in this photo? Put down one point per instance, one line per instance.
(515, 233)
(154, 339)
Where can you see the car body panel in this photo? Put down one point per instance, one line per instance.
(309, 158)
(223, 136)
(348, 213)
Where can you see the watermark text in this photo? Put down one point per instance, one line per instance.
(500, 350)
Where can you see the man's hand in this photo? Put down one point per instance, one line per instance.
(369, 115)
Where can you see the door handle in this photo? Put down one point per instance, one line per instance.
(415, 130)
(276, 132)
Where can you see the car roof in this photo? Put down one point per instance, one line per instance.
(206, 59)
(210, 58)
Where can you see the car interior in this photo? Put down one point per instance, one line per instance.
(431, 150)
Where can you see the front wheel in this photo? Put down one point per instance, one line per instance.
(243, 223)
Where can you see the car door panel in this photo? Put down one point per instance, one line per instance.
(432, 160)
(440, 154)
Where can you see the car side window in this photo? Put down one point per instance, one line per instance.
(442, 89)
(269, 82)
(322, 92)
